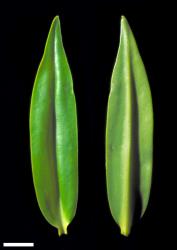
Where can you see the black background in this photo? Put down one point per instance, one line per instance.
(90, 33)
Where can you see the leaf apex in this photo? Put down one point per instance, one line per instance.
(56, 19)
(124, 22)
(55, 23)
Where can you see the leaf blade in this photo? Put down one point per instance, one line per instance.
(126, 174)
(47, 102)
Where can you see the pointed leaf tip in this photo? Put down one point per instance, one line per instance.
(124, 24)
(55, 23)
(123, 20)
(56, 19)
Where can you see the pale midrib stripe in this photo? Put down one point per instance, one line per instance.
(126, 200)
(62, 221)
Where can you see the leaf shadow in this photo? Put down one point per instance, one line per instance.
(136, 202)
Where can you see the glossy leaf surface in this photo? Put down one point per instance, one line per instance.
(53, 135)
(129, 133)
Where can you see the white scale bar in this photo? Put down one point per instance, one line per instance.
(18, 244)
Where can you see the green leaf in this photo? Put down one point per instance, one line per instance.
(53, 135)
(129, 133)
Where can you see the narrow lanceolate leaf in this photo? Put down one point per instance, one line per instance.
(129, 133)
(53, 135)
